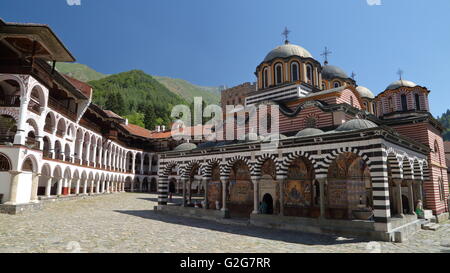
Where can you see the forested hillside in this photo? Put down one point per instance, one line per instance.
(136, 96)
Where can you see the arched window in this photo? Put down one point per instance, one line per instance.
(309, 74)
(27, 165)
(8, 128)
(324, 86)
(417, 100)
(265, 79)
(278, 73)
(294, 72)
(441, 189)
(4, 163)
(374, 106)
(404, 102)
(351, 101)
(336, 84)
(390, 104)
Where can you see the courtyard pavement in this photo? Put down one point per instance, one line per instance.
(126, 222)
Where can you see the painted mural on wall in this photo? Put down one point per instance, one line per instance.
(214, 187)
(349, 184)
(240, 190)
(298, 189)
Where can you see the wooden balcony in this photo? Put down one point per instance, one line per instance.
(10, 101)
(58, 107)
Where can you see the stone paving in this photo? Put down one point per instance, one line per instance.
(126, 222)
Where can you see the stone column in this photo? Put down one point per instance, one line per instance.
(20, 136)
(13, 189)
(133, 163)
(91, 188)
(322, 183)
(189, 184)
(281, 192)
(85, 186)
(142, 164)
(34, 187)
(59, 187)
(398, 185)
(77, 187)
(97, 186)
(255, 182)
(48, 186)
(94, 155)
(411, 197)
(206, 182)
(224, 194)
(132, 186)
(69, 186)
(183, 181)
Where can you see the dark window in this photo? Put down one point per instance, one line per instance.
(417, 99)
(4, 164)
(310, 122)
(309, 73)
(294, 72)
(404, 103)
(279, 74)
(265, 80)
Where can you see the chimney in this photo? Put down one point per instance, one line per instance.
(164, 128)
(158, 128)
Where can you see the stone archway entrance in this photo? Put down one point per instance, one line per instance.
(267, 204)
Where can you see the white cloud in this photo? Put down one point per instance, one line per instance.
(78, 2)
(374, 2)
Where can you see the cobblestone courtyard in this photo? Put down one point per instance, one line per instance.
(126, 222)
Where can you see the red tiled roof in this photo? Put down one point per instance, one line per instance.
(137, 130)
(111, 114)
(85, 88)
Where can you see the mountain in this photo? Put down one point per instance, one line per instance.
(187, 90)
(445, 121)
(79, 71)
(180, 87)
(136, 96)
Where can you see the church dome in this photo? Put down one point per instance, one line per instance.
(185, 147)
(401, 83)
(365, 92)
(331, 72)
(356, 124)
(287, 50)
(309, 132)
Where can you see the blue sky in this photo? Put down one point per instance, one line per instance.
(212, 42)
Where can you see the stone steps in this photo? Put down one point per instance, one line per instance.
(431, 226)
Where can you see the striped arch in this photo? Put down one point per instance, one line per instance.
(282, 168)
(395, 162)
(334, 154)
(206, 168)
(186, 169)
(425, 170)
(168, 168)
(225, 172)
(407, 166)
(256, 173)
(417, 169)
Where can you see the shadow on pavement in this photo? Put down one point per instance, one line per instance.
(251, 231)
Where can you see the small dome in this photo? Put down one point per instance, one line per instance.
(309, 132)
(287, 50)
(185, 147)
(331, 72)
(401, 83)
(356, 124)
(365, 92)
(274, 137)
(252, 137)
